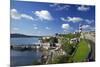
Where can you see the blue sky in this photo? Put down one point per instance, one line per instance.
(36, 18)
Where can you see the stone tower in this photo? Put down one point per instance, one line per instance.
(80, 31)
(80, 28)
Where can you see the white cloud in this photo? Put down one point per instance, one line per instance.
(59, 7)
(27, 16)
(53, 5)
(72, 19)
(15, 29)
(88, 28)
(76, 19)
(63, 7)
(85, 26)
(89, 21)
(35, 28)
(43, 15)
(65, 26)
(47, 28)
(16, 15)
(63, 19)
(83, 8)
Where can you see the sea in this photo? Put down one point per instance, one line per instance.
(24, 58)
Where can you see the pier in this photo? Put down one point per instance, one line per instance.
(25, 46)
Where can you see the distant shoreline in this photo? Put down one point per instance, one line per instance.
(22, 36)
(25, 36)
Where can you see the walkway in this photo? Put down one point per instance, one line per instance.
(91, 40)
(53, 54)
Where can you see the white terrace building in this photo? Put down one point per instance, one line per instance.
(46, 44)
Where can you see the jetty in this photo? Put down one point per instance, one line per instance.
(25, 46)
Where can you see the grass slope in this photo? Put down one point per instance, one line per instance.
(82, 51)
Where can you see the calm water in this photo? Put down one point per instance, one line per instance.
(20, 41)
(22, 58)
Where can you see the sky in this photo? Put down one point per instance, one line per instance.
(36, 18)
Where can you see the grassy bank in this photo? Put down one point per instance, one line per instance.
(82, 51)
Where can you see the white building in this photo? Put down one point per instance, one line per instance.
(45, 45)
(74, 40)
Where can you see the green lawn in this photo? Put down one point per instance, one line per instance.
(82, 51)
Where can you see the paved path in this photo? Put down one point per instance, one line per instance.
(53, 54)
(91, 40)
